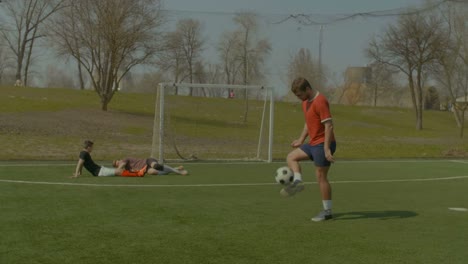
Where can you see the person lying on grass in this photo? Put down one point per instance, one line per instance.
(152, 166)
(86, 161)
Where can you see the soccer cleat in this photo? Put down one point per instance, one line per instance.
(181, 170)
(323, 215)
(292, 189)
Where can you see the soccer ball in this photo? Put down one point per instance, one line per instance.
(284, 175)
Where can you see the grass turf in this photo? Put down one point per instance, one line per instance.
(385, 212)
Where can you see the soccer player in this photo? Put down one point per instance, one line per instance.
(86, 161)
(320, 148)
(152, 165)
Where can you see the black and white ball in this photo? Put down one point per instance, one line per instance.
(284, 175)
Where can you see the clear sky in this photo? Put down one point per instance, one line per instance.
(343, 42)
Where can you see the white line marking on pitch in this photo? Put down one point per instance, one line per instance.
(459, 209)
(237, 163)
(139, 185)
(404, 180)
(220, 184)
(459, 161)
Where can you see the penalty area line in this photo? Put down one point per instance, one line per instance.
(459, 161)
(404, 180)
(237, 162)
(458, 209)
(220, 184)
(137, 185)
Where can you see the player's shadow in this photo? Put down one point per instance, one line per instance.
(382, 215)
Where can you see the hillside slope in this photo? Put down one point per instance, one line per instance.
(50, 124)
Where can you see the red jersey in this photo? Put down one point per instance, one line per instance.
(316, 112)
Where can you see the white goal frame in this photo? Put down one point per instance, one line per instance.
(158, 133)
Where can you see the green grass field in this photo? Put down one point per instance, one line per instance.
(386, 211)
(394, 211)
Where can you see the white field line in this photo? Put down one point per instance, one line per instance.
(237, 163)
(458, 209)
(139, 185)
(230, 184)
(223, 184)
(405, 180)
(460, 161)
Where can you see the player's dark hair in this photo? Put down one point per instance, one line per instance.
(300, 84)
(158, 167)
(88, 143)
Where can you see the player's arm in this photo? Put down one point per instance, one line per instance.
(328, 134)
(122, 165)
(79, 168)
(298, 142)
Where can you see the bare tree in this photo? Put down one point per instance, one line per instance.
(74, 41)
(431, 99)
(113, 36)
(56, 77)
(229, 58)
(146, 82)
(247, 23)
(22, 30)
(303, 64)
(381, 81)
(182, 51)
(171, 58)
(451, 65)
(3, 63)
(213, 74)
(410, 46)
(190, 35)
(251, 52)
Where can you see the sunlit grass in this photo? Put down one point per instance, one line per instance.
(232, 213)
(24, 99)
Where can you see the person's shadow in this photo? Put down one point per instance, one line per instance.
(381, 215)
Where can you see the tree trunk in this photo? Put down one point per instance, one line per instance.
(419, 120)
(191, 78)
(375, 95)
(104, 102)
(462, 124)
(104, 105)
(19, 67)
(80, 76)
(457, 114)
(413, 97)
(28, 58)
(419, 100)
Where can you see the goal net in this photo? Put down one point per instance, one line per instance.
(213, 122)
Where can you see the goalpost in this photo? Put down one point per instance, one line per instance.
(213, 122)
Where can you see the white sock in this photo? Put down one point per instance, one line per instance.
(327, 204)
(297, 176)
(167, 170)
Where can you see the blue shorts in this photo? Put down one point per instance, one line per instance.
(317, 153)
